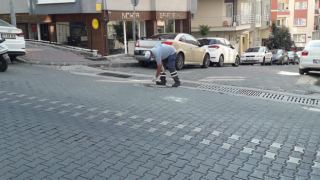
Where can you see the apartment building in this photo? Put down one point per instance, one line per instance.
(300, 16)
(244, 23)
(70, 21)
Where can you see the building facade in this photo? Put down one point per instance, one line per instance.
(300, 16)
(244, 23)
(70, 21)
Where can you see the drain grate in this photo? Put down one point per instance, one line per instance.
(245, 92)
(114, 75)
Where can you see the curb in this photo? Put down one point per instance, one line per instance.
(108, 65)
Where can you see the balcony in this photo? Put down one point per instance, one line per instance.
(222, 23)
(283, 12)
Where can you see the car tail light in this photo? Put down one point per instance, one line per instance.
(168, 43)
(214, 46)
(305, 53)
(137, 44)
(20, 35)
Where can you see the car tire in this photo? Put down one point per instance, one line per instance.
(221, 61)
(301, 71)
(281, 63)
(270, 62)
(294, 61)
(13, 58)
(206, 61)
(3, 65)
(179, 61)
(288, 62)
(263, 62)
(236, 62)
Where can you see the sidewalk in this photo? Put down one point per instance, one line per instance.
(45, 55)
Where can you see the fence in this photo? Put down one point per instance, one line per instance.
(64, 34)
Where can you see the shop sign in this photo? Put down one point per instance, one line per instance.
(95, 23)
(171, 16)
(129, 16)
(98, 7)
(27, 18)
(33, 28)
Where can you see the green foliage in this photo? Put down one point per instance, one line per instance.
(204, 30)
(280, 38)
(118, 28)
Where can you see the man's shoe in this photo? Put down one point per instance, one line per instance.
(162, 83)
(176, 84)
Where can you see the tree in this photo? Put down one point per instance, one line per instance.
(118, 28)
(280, 38)
(204, 30)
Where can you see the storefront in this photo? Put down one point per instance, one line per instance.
(148, 23)
(33, 26)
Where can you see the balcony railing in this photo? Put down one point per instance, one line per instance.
(222, 21)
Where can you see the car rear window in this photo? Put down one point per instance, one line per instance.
(290, 53)
(165, 36)
(5, 24)
(255, 49)
(208, 41)
(313, 44)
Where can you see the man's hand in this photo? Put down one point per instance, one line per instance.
(154, 79)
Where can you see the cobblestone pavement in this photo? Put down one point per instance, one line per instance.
(56, 125)
(276, 78)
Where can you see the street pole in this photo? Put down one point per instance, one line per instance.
(13, 14)
(134, 27)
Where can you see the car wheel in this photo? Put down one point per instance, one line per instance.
(13, 58)
(294, 62)
(301, 71)
(281, 62)
(263, 62)
(270, 62)
(144, 64)
(221, 61)
(288, 62)
(236, 62)
(179, 61)
(206, 61)
(3, 65)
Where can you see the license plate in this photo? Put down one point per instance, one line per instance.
(8, 36)
(316, 61)
(249, 59)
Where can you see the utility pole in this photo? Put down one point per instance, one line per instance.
(13, 14)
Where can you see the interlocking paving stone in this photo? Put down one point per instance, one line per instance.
(270, 155)
(180, 126)
(169, 133)
(294, 160)
(316, 165)
(134, 117)
(216, 133)
(196, 129)
(247, 150)
(135, 126)
(149, 120)
(256, 141)
(226, 146)
(187, 137)
(164, 123)
(152, 130)
(299, 149)
(120, 123)
(104, 120)
(205, 141)
(235, 137)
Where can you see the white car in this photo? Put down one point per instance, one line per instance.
(310, 57)
(221, 51)
(257, 55)
(14, 39)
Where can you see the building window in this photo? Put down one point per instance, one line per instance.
(278, 22)
(280, 6)
(229, 9)
(300, 22)
(301, 5)
(246, 13)
(299, 38)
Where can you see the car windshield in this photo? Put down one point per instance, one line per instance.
(313, 44)
(276, 51)
(299, 53)
(255, 49)
(5, 24)
(291, 53)
(165, 36)
(208, 41)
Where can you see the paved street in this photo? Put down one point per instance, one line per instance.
(60, 125)
(278, 78)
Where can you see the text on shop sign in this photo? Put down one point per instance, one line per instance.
(171, 16)
(129, 15)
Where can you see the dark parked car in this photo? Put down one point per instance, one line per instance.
(293, 57)
(280, 56)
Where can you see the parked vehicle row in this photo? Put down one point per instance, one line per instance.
(190, 51)
(257, 55)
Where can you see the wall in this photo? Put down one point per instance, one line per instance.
(20, 6)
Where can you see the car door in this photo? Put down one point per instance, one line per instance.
(224, 50)
(184, 45)
(193, 48)
(268, 55)
(230, 52)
